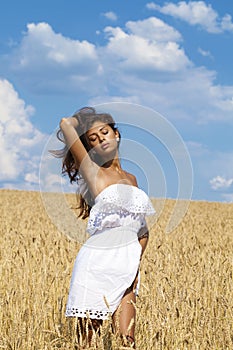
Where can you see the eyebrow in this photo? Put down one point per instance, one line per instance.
(98, 130)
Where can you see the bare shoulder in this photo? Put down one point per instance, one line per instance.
(132, 179)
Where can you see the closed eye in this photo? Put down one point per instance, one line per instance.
(92, 139)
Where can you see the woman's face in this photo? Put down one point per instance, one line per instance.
(102, 138)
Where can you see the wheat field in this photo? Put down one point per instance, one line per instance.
(185, 299)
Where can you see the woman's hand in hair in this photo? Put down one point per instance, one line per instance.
(70, 121)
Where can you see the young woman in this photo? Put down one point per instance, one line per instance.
(106, 272)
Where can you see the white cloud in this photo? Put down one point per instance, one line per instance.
(145, 47)
(32, 177)
(53, 181)
(63, 62)
(110, 15)
(196, 13)
(226, 23)
(144, 62)
(20, 141)
(154, 29)
(222, 97)
(205, 53)
(210, 163)
(219, 182)
(190, 95)
(40, 40)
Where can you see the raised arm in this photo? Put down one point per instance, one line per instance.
(82, 160)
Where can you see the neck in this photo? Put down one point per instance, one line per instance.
(113, 164)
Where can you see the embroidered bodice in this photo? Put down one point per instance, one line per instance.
(120, 205)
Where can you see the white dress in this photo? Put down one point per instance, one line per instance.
(108, 262)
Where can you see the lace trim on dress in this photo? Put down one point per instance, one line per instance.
(124, 196)
(120, 205)
(115, 219)
(75, 312)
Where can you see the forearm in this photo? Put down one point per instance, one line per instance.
(68, 127)
(144, 241)
(73, 121)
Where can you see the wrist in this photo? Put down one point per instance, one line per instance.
(71, 121)
(74, 122)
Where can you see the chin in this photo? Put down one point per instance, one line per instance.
(107, 154)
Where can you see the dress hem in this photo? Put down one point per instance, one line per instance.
(98, 315)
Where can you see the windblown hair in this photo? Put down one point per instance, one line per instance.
(86, 117)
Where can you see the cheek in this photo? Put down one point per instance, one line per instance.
(111, 136)
(95, 146)
(92, 143)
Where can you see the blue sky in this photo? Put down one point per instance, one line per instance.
(173, 57)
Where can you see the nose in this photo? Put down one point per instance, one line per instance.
(101, 138)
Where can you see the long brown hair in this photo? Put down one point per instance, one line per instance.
(86, 117)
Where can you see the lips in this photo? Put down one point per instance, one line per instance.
(105, 145)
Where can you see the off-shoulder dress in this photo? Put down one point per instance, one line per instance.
(108, 262)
